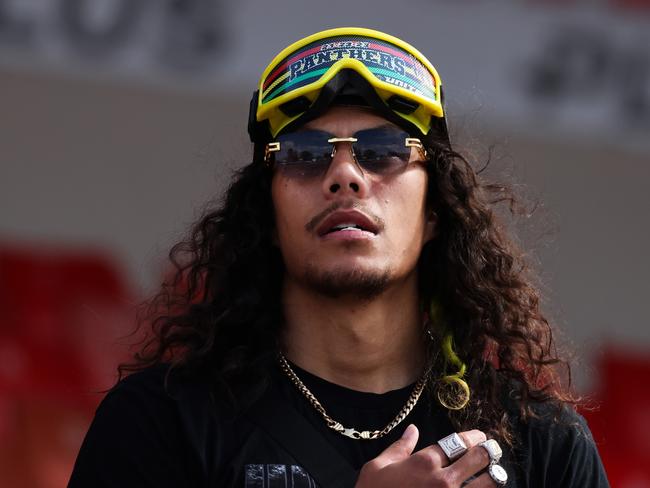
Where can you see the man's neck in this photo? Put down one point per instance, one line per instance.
(373, 346)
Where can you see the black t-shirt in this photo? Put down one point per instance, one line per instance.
(146, 434)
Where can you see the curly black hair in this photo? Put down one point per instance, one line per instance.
(220, 310)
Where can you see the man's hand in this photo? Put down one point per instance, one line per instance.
(397, 466)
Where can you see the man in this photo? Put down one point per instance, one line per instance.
(353, 314)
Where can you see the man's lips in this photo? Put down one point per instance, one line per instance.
(347, 220)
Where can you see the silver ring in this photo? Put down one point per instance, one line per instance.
(453, 446)
(498, 474)
(493, 449)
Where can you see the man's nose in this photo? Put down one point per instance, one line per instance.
(344, 174)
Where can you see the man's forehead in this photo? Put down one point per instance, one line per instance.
(345, 120)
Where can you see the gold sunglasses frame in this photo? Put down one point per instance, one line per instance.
(272, 147)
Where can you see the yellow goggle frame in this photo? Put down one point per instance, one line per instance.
(392, 67)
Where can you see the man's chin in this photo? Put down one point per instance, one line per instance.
(355, 283)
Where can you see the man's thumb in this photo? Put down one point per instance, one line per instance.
(401, 448)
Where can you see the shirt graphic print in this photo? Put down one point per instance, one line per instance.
(277, 476)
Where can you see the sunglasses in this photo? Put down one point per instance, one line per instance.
(378, 151)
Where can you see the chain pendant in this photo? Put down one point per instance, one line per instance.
(355, 434)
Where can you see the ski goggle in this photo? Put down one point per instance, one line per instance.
(406, 83)
(380, 151)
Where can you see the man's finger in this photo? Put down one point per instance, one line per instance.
(400, 449)
(483, 481)
(470, 463)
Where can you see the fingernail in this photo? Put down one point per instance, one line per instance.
(408, 432)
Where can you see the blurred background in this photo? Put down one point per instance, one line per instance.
(120, 119)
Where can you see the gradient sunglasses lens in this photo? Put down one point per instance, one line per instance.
(382, 150)
(304, 153)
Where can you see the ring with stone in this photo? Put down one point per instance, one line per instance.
(493, 449)
(498, 474)
(453, 446)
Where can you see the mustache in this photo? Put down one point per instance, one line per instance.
(346, 205)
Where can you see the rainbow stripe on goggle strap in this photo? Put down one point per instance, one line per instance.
(386, 61)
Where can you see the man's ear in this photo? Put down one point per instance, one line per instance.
(430, 226)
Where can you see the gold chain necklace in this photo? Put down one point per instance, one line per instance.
(352, 432)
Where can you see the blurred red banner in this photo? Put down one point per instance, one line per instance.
(63, 313)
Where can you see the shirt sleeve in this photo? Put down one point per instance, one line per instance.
(562, 453)
(584, 466)
(135, 440)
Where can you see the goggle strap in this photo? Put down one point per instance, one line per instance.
(258, 132)
(439, 128)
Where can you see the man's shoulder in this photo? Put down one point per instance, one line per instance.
(162, 390)
(544, 416)
(150, 379)
(163, 402)
(165, 423)
(555, 446)
(153, 383)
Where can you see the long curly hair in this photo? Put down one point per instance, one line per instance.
(219, 313)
